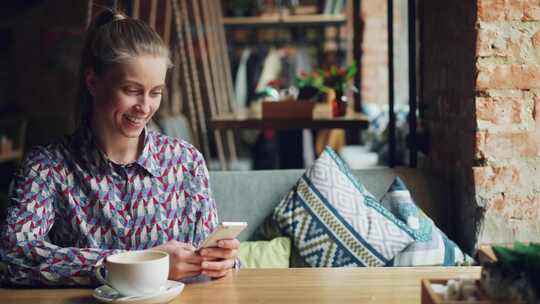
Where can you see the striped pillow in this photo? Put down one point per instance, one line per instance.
(335, 222)
(432, 247)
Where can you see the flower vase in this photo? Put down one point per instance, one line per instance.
(339, 104)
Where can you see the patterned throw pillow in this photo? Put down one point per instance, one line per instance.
(335, 222)
(432, 247)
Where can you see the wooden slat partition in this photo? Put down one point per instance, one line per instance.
(222, 50)
(194, 77)
(211, 94)
(183, 62)
(217, 51)
(167, 24)
(135, 13)
(212, 41)
(153, 13)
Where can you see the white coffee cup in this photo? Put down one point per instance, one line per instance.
(134, 273)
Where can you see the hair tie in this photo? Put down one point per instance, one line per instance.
(117, 17)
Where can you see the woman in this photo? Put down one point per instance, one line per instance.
(113, 185)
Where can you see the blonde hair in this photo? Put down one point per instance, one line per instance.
(113, 38)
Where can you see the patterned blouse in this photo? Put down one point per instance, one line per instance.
(71, 207)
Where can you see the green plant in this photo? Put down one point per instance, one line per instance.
(516, 273)
(310, 85)
(340, 79)
(313, 79)
(521, 258)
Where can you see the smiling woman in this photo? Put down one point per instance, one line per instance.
(113, 185)
(125, 99)
(122, 76)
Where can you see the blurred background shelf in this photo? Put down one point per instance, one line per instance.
(285, 21)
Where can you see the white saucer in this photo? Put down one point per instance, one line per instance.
(170, 291)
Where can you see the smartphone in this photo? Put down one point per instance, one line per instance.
(224, 231)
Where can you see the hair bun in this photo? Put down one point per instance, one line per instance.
(106, 16)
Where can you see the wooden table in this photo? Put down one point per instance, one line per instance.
(247, 120)
(295, 285)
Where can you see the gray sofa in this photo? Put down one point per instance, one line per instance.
(252, 195)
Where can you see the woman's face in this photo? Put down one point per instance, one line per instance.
(127, 95)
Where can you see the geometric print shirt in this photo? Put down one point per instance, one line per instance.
(71, 207)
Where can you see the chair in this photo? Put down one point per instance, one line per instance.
(176, 126)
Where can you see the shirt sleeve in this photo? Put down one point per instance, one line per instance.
(202, 201)
(207, 216)
(29, 257)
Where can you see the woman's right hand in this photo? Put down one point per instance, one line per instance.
(183, 260)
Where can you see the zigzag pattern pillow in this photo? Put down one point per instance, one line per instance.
(335, 222)
(432, 247)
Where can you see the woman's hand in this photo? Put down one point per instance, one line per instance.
(183, 260)
(218, 261)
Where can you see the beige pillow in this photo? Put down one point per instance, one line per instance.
(266, 254)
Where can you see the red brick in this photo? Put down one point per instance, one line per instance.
(500, 110)
(531, 10)
(536, 40)
(496, 10)
(514, 10)
(490, 43)
(480, 142)
(514, 76)
(481, 175)
(513, 206)
(488, 178)
(511, 145)
(498, 203)
(374, 49)
(516, 41)
(491, 10)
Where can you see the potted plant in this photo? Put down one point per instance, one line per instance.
(514, 275)
(310, 86)
(339, 80)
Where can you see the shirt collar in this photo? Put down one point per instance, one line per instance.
(149, 159)
(100, 164)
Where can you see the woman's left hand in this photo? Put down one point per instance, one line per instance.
(218, 261)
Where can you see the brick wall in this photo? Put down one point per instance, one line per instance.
(374, 66)
(482, 100)
(507, 174)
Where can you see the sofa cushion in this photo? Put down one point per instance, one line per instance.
(432, 247)
(251, 196)
(334, 221)
(266, 254)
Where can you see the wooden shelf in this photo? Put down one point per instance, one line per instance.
(285, 21)
(429, 296)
